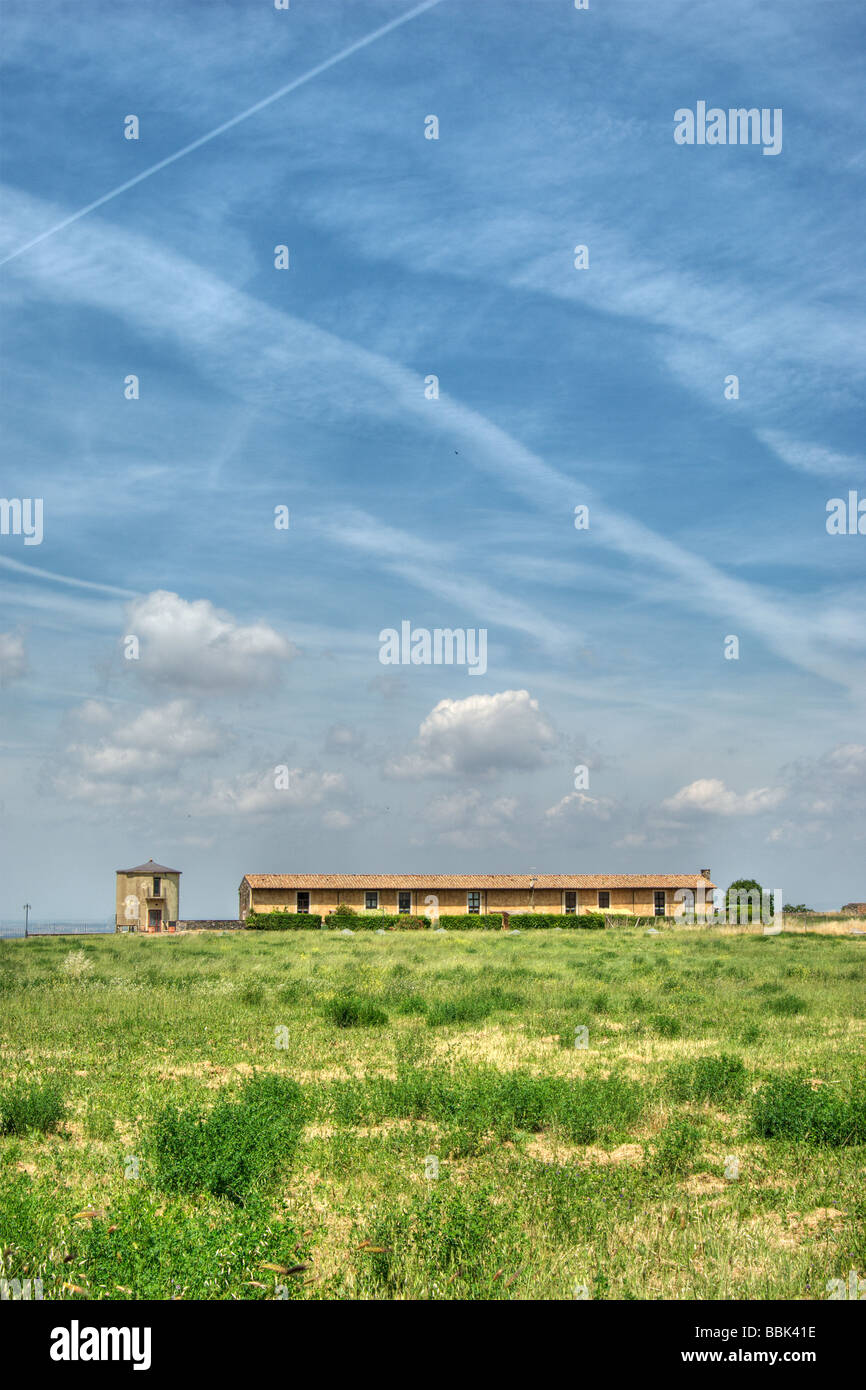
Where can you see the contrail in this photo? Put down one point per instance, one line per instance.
(6, 562)
(226, 125)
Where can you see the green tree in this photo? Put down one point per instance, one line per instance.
(744, 899)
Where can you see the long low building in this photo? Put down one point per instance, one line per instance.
(644, 895)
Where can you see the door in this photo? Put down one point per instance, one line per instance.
(154, 918)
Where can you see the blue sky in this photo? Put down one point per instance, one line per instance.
(305, 388)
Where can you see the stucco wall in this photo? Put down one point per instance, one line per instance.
(453, 900)
(135, 894)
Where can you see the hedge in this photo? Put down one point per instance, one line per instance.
(526, 921)
(472, 921)
(521, 921)
(282, 921)
(374, 921)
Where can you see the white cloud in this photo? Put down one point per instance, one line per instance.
(830, 786)
(470, 819)
(799, 834)
(256, 793)
(232, 335)
(344, 738)
(157, 743)
(441, 570)
(13, 659)
(195, 646)
(600, 808)
(711, 796)
(809, 458)
(158, 757)
(478, 737)
(848, 760)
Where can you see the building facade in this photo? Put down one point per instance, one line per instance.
(644, 895)
(148, 898)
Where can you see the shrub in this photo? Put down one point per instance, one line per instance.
(520, 921)
(151, 1246)
(786, 1005)
(589, 1109)
(708, 1078)
(591, 920)
(374, 921)
(353, 1011)
(677, 1146)
(283, 921)
(474, 1101)
(77, 965)
(527, 921)
(666, 1026)
(472, 1006)
(472, 921)
(30, 1106)
(238, 1146)
(788, 1107)
(166, 1251)
(449, 1244)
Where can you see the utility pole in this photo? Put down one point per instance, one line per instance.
(27, 910)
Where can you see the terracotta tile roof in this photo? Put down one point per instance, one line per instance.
(476, 880)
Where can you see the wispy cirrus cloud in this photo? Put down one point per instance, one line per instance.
(256, 348)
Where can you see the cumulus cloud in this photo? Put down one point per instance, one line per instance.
(710, 796)
(799, 834)
(160, 756)
(830, 786)
(470, 819)
(578, 803)
(265, 793)
(847, 762)
(478, 737)
(195, 646)
(122, 755)
(13, 659)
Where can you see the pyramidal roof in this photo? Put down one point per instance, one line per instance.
(149, 868)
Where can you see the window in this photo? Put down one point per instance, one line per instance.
(571, 902)
(404, 902)
(659, 902)
(303, 902)
(603, 897)
(371, 900)
(156, 887)
(473, 901)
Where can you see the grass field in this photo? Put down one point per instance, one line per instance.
(263, 1115)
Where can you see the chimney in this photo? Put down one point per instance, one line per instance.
(705, 873)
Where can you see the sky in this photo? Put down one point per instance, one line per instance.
(425, 394)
